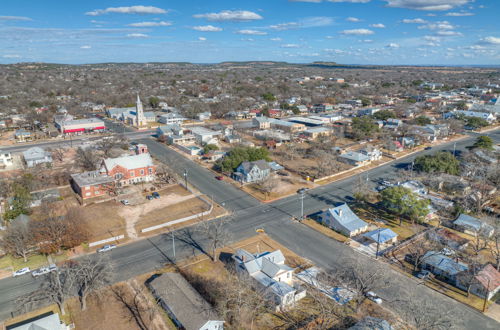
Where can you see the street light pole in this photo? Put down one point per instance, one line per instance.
(173, 243)
(186, 179)
(454, 148)
(378, 243)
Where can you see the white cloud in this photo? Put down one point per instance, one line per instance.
(378, 26)
(290, 46)
(137, 35)
(392, 45)
(202, 38)
(353, 19)
(440, 25)
(252, 32)
(490, 40)
(459, 14)
(432, 38)
(207, 28)
(230, 15)
(414, 21)
(448, 33)
(86, 47)
(150, 24)
(128, 10)
(15, 18)
(366, 41)
(11, 56)
(358, 32)
(426, 4)
(308, 22)
(275, 39)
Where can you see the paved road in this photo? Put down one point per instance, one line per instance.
(147, 255)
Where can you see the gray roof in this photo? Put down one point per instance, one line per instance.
(381, 235)
(129, 162)
(187, 305)
(49, 322)
(247, 166)
(356, 156)
(35, 153)
(472, 223)
(443, 263)
(90, 178)
(346, 217)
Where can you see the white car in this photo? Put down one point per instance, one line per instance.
(125, 202)
(21, 271)
(40, 271)
(106, 248)
(373, 297)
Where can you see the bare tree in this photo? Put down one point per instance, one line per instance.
(56, 289)
(268, 185)
(134, 300)
(92, 274)
(18, 239)
(216, 234)
(423, 248)
(58, 153)
(107, 144)
(86, 159)
(163, 175)
(424, 313)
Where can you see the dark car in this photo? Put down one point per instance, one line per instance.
(156, 194)
(428, 148)
(219, 177)
(149, 197)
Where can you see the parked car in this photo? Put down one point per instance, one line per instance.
(125, 202)
(156, 194)
(373, 297)
(52, 268)
(149, 197)
(40, 271)
(106, 248)
(427, 148)
(423, 274)
(21, 271)
(219, 177)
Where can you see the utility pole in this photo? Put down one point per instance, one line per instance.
(301, 197)
(454, 148)
(486, 295)
(378, 243)
(186, 179)
(173, 243)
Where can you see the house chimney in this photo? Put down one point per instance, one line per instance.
(340, 213)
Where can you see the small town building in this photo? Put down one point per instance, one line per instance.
(486, 283)
(443, 266)
(79, 126)
(262, 122)
(343, 220)
(183, 304)
(36, 155)
(354, 158)
(248, 172)
(288, 126)
(204, 135)
(6, 159)
(272, 276)
(372, 323)
(171, 118)
(130, 169)
(47, 321)
(472, 226)
(92, 184)
(315, 132)
(22, 135)
(381, 236)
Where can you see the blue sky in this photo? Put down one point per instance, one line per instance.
(345, 31)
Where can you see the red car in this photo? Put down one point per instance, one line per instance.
(219, 177)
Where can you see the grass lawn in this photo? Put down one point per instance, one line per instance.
(457, 294)
(325, 230)
(35, 261)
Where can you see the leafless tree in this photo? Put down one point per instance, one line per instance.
(86, 159)
(58, 153)
(108, 144)
(164, 175)
(133, 298)
(420, 246)
(56, 289)
(360, 279)
(17, 240)
(479, 241)
(268, 185)
(424, 313)
(216, 234)
(92, 274)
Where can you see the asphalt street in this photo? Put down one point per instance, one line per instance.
(276, 219)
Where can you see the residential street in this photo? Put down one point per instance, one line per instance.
(275, 218)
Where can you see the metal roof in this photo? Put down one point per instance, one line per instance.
(381, 235)
(346, 217)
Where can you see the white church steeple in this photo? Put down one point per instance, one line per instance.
(140, 120)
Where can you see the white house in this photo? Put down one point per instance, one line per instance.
(274, 277)
(36, 155)
(5, 159)
(204, 135)
(343, 220)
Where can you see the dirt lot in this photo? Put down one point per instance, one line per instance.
(109, 311)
